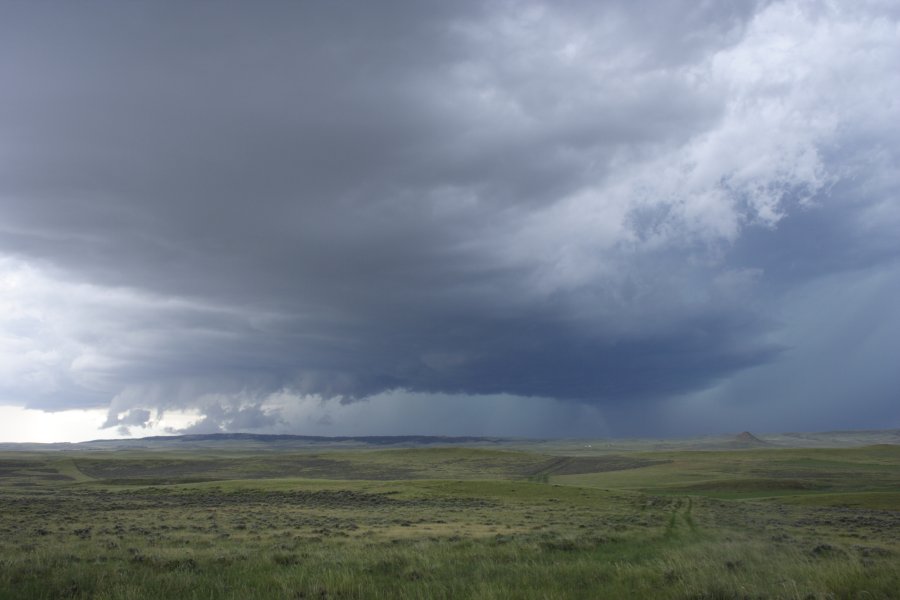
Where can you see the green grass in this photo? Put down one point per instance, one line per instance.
(451, 523)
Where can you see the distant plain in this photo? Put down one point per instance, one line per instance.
(802, 516)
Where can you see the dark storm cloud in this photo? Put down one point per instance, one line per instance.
(346, 198)
(218, 419)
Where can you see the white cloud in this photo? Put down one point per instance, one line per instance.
(65, 343)
(779, 111)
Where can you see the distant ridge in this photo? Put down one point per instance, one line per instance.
(378, 440)
(556, 446)
(749, 439)
(742, 441)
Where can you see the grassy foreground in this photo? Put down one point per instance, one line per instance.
(451, 523)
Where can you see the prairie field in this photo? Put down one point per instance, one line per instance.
(450, 522)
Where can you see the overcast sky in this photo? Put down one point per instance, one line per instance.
(502, 218)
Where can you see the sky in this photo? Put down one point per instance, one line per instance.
(505, 218)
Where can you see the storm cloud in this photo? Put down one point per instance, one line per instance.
(612, 204)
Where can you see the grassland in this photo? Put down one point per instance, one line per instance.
(451, 522)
